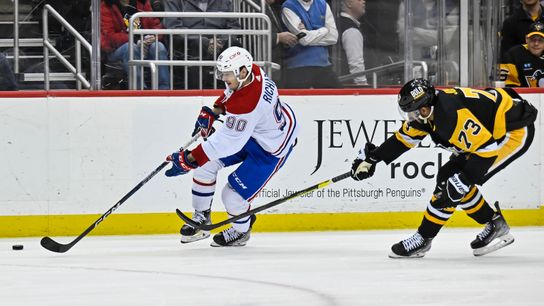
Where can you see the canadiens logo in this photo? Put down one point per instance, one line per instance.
(234, 55)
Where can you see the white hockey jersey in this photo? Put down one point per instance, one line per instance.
(254, 111)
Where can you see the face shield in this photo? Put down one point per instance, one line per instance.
(230, 77)
(415, 115)
(221, 75)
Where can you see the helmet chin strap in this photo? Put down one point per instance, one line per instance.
(241, 81)
(426, 118)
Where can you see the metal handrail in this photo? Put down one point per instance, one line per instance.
(254, 5)
(47, 46)
(228, 32)
(153, 66)
(375, 70)
(16, 36)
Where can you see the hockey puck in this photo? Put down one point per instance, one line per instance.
(17, 247)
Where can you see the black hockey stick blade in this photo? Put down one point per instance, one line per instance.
(54, 246)
(209, 227)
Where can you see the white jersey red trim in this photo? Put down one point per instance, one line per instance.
(254, 111)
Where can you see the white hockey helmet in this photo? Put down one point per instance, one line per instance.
(233, 59)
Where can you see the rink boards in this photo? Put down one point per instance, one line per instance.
(67, 158)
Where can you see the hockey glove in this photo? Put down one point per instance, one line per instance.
(204, 122)
(180, 163)
(364, 165)
(449, 193)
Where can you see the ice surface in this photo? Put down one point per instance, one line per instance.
(318, 268)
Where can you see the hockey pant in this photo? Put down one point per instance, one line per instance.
(514, 144)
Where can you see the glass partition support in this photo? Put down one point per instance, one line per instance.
(484, 52)
(477, 52)
(464, 44)
(336, 50)
(442, 48)
(490, 41)
(408, 34)
(495, 14)
(16, 36)
(95, 54)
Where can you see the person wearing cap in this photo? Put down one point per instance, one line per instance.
(523, 65)
(515, 27)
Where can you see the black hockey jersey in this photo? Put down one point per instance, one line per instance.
(521, 68)
(465, 121)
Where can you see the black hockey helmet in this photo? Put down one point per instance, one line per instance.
(416, 94)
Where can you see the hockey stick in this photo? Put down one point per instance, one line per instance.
(54, 246)
(209, 227)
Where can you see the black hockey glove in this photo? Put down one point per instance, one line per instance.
(364, 165)
(449, 193)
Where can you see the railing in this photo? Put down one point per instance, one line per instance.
(47, 46)
(375, 70)
(249, 6)
(261, 48)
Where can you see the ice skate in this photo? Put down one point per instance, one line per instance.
(191, 234)
(413, 247)
(232, 237)
(496, 235)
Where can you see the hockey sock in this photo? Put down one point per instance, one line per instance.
(203, 192)
(241, 225)
(236, 205)
(476, 206)
(433, 220)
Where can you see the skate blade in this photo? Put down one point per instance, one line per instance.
(198, 236)
(503, 241)
(216, 245)
(416, 255)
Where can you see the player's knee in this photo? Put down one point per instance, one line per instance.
(208, 172)
(233, 201)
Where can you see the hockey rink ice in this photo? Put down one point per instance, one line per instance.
(317, 268)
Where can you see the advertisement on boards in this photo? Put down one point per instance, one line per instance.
(74, 155)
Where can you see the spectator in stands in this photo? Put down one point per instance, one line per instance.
(352, 40)
(281, 39)
(115, 16)
(516, 27)
(7, 79)
(157, 5)
(308, 62)
(524, 64)
(211, 47)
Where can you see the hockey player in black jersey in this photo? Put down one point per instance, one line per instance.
(484, 129)
(524, 64)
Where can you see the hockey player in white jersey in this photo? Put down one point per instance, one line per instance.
(259, 133)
